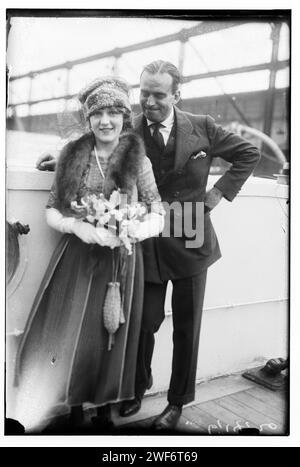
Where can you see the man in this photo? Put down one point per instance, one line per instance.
(181, 147)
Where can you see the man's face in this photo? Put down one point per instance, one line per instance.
(156, 95)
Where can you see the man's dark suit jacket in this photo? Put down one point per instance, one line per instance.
(168, 258)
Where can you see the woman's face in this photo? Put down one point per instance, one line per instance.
(107, 125)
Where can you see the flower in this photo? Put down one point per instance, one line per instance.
(103, 219)
(115, 199)
(114, 214)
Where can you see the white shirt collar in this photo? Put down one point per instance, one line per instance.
(168, 122)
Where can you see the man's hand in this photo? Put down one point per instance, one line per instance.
(46, 162)
(212, 198)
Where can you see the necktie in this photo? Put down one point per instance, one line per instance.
(157, 136)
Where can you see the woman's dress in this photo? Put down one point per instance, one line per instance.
(64, 350)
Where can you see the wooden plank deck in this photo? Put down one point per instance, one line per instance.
(259, 410)
(224, 406)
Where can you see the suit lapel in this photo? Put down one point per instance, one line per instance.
(185, 140)
(138, 125)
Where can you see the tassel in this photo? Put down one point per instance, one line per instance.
(122, 317)
(111, 341)
(112, 310)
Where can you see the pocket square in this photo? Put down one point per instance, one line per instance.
(200, 154)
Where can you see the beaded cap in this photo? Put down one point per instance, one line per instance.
(104, 92)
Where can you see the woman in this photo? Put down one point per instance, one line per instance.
(65, 349)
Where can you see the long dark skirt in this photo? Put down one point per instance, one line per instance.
(64, 349)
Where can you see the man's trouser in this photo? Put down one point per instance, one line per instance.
(187, 304)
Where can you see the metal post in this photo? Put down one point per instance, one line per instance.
(29, 100)
(117, 54)
(269, 106)
(183, 40)
(67, 84)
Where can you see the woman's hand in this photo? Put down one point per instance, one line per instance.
(83, 230)
(133, 230)
(86, 232)
(107, 238)
(90, 234)
(150, 227)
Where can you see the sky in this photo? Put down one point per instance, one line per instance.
(62, 39)
(35, 43)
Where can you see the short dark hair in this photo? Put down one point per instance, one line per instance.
(160, 66)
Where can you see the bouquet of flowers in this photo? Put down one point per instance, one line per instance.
(122, 219)
(114, 213)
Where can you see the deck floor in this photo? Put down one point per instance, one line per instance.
(229, 405)
(253, 409)
(224, 406)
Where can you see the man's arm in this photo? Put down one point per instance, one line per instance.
(234, 149)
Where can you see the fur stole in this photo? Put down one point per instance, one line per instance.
(121, 174)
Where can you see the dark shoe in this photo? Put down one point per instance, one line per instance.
(62, 425)
(102, 425)
(150, 382)
(129, 408)
(68, 423)
(168, 419)
(103, 420)
(76, 417)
